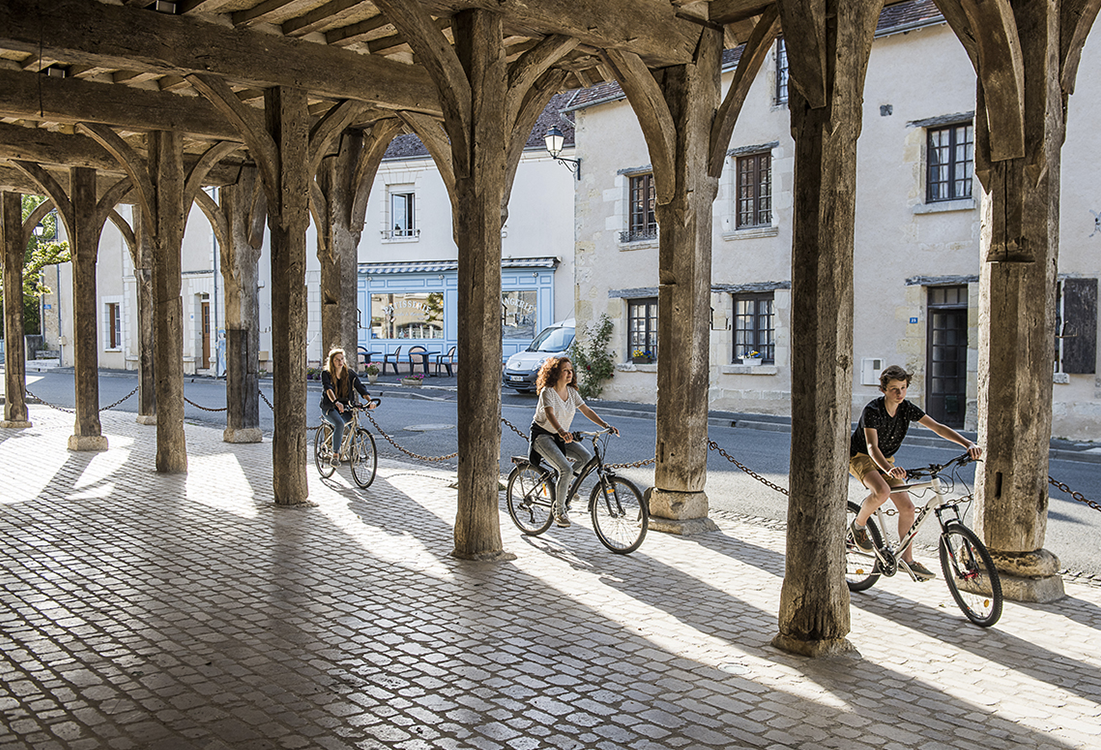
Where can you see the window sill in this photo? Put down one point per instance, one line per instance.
(399, 240)
(637, 245)
(632, 367)
(749, 370)
(751, 233)
(940, 207)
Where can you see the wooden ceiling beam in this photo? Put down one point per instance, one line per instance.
(70, 100)
(731, 11)
(88, 33)
(330, 14)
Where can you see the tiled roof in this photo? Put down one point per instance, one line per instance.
(408, 146)
(894, 18)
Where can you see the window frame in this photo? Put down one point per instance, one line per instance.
(113, 332)
(780, 92)
(394, 229)
(951, 184)
(763, 337)
(642, 222)
(649, 317)
(760, 209)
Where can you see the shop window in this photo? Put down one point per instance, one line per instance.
(519, 314)
(754, 327)
(754, 190)
(642, 329)
(402, 215)
(1076, 326)
(408, 315)
(781, 72)
(641, 222)
(950, 158)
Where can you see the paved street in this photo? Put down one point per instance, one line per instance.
(177, 612)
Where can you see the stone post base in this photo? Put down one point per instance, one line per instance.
(147, 419)
(1029, 576)
(814, 649)
(87, 443)
(15, 425)
(246, 435)
(683, 513)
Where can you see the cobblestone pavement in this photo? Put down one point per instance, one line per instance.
(178, 612)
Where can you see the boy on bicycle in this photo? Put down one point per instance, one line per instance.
(878, 436)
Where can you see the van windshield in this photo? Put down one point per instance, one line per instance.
(552, 340)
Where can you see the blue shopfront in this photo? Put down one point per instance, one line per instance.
(416, 303)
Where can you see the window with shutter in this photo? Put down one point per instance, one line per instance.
(1076, 326)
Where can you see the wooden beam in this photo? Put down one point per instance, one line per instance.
(1001, 70)
(1075, 21)
(46, 147)
(723, 12)
(89, 33)
(68, 100)
(804, 23)
(329, 14)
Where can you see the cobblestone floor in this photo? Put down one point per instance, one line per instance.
(179, 612)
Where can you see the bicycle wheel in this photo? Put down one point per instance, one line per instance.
(530, 497)
(861, 568)
(970, 574)
(364, 458)
(323, 450)
(620, 517)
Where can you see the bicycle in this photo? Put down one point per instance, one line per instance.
(967, 566)
(619, 515)
(358, 444)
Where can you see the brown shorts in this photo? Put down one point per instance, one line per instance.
(862, 463)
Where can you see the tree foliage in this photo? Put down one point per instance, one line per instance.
(592, 361)
(43, 249)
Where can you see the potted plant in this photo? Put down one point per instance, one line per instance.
(642, 356)
(413, 379)
(752, 359)
(372, 373)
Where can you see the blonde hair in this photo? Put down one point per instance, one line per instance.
(342, 385)
(332, 353)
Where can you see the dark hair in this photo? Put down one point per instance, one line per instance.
(551, 371)
(894, 372)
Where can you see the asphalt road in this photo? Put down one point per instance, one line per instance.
(422, 421)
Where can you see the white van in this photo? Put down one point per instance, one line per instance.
(522, 368)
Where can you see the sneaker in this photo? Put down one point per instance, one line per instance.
(918, 571)
(334, 461)
(861, 538)
(561, 519)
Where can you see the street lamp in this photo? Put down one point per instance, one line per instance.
(554, 141)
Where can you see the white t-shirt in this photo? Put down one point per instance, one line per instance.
(563, 410)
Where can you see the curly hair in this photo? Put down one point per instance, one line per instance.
(550, 372)
(894, 372)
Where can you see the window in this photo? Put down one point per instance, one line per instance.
(781, 72)
(641, 223)
(1076, 326)
(519, 314)
(951, 162)
(754, 326)
(642, 328)
(401, 215)
(410, 315)
(754, 191)
(114, 325)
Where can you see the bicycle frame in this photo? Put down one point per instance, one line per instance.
(596, 463)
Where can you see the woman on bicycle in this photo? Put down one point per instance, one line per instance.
(551, 438)
(882, 428)
(339, 385)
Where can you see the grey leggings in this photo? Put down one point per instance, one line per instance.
(548, 449)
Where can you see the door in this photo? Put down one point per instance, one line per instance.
(946, 384)
(206, 336)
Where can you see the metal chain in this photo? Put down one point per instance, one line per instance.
(715, 447)
(270, 406)
(515, 429)
(1076, 495)
(403, 450)
(73, 411)
(204, 408)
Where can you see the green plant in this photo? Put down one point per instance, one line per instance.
(592, 361)
(372, 369)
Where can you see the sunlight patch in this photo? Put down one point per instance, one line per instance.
(219, 481)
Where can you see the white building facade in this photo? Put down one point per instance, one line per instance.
(917, 259)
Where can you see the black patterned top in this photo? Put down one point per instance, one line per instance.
(890, 431)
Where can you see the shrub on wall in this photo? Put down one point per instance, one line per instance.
(592, 362)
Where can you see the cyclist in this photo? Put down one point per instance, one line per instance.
(880, 433)
(551, 438)
(339, 385)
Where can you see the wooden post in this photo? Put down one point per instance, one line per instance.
(240, 255)
(143, 276)
(827, 64)
(287, 119)
(15, 367)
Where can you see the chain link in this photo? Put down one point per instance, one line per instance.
(204, 408)
(515, 429)
(73, 411)
(1076, 495)
(715, 447)
(403, 450)
(270, 406)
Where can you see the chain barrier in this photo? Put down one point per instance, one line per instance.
(403, 450)
(73, 411)
(1076, 495)
(715, 447)
(204, 408)
(270, 405)
(515, 429)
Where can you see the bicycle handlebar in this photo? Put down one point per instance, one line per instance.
(935, 469)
